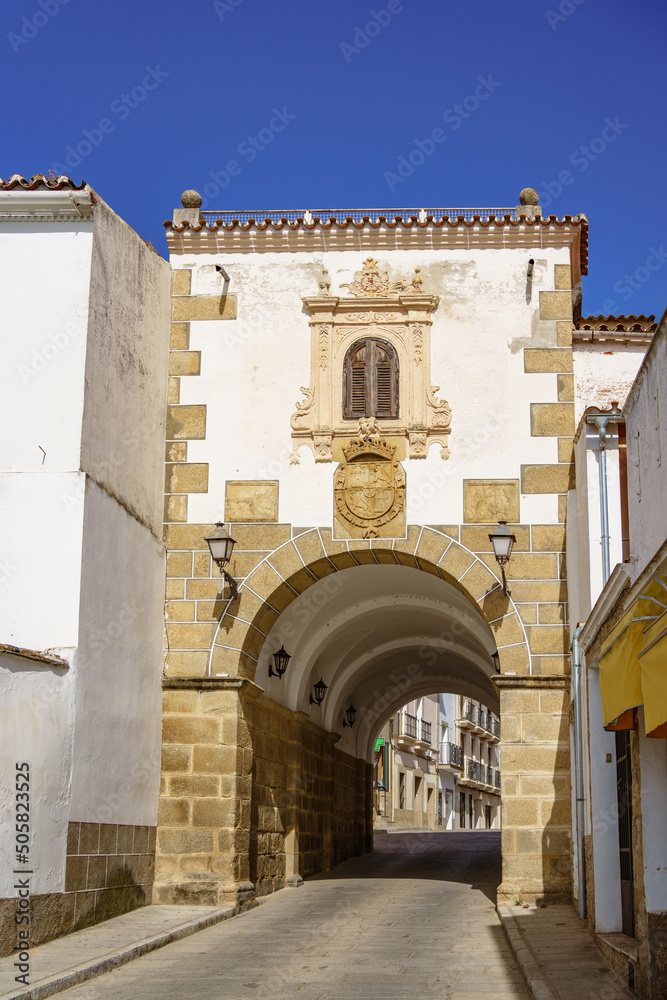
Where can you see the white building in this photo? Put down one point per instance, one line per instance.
(617, 555)
(83, 388)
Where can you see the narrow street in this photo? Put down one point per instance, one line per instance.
(414, 919)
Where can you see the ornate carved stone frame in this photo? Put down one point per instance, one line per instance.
(397, 312)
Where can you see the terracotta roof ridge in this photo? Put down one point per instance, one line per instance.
(377, 221)
(38, 181)
(621, 324)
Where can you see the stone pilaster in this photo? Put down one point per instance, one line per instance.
(536, 801)
(204, 819)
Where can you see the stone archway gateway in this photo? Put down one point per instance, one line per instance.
(260, 788)
(465, 419)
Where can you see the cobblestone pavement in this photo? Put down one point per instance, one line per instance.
(415, 918)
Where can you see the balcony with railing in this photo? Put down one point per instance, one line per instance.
(407, 725)
(480, 721)
(450, 755)
(479, 774)
(414, 734)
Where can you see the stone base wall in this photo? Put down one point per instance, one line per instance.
(536, 796)
(109, 871)
(251, 795)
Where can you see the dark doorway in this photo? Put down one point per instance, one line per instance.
(624, 793)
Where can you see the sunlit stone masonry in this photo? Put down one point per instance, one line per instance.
(359, 399)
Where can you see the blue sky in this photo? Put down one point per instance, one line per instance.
(317, 105)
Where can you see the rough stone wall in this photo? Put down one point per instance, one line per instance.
(536, 792)
(251, 794)
(344, 806)
(204, 813)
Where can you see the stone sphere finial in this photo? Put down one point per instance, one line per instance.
(191, 199)
(529, 196)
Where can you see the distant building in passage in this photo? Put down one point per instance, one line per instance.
(437, 766)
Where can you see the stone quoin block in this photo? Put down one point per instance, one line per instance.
(189, 478)
(180, 611)
(565, 450)
(547, 478)
(180, 337)
(176, 451)
(198, 636)
(565, 384)
(256, 537)
(552, 614)
(541, 359)
(562, 276)
(176, 758)
(175, 590)
(549, 639)
(198, 307)
(181, 281)
(185, 729)
(179, 563)
(184, 363)
(174, 390)
(476, 537)
(564, 334)
(187, 536)
(553, 305)
(186, 422)
(548, 537)
(551, 419)
(186, 663)
(176, 508)
(539, 590)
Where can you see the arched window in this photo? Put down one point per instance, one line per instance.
(370, 380)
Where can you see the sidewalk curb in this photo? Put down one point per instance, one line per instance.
(107, 963)
(533, 972)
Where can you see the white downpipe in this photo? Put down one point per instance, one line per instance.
(579, 768)
(601, 419)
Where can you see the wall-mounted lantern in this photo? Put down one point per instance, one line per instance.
(280, 659)
(350, 716)
(502, 540)
(320, 690)
(221, 546)
(496, 661)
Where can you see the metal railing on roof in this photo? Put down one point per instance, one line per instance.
(356, 214)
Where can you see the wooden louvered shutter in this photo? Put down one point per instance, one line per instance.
(370, 380)
(385, 381)
(384, 371)
(356, 401)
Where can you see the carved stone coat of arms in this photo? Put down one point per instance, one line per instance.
(369, 491)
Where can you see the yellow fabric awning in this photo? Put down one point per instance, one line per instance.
(633, 659)
(653, 662)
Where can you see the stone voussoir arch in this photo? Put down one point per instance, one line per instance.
(311, 556)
